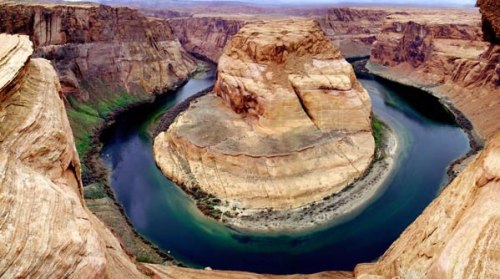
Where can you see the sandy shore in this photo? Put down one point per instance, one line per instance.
(331, 209)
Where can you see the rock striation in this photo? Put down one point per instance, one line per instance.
(446, 56)
(457, 234)
(287, 124)
(45, 229)
(96, 45)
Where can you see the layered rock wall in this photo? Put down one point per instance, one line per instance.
(288, 122)
(93, 45)
(444, 55)
(45, 229)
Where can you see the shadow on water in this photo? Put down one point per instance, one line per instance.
(161, 212)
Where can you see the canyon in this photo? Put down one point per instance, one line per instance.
(41, 189)
(106, 59)
(286, 90)
(206, 32)
(447, 57)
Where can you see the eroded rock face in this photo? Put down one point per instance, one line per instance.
(490, 16)
(457, 234)
(96, 45)
(288, 122)
(444, 55)
(45, 229)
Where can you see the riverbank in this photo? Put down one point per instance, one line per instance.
(476, 142)
(309, 216)
(99, 196)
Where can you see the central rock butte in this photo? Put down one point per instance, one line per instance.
(287, 123)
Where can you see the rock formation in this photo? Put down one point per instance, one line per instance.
(106, 59)
(92, 45)
(457, 234)
(288, 122)
(444, 54)
(45, 229)
(490, 16)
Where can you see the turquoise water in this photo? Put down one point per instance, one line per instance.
(161, 212)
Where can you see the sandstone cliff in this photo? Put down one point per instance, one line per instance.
(490, 15)
(45, 229)
(288, 122)
(92, 45)
(106, 59)
(444, 55)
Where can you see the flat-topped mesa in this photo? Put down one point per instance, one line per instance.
(288, 124)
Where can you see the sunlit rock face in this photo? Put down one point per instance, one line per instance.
(94, 46)
(443, 53)
(286, 125)
(45, 230)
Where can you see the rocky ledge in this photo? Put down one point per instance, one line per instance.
(287, 124)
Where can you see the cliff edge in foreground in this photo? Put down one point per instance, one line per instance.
(287, 124)
(45, 229)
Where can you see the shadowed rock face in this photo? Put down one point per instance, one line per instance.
(443, 53)
(95, 44)
(490, 15)
(288, 122)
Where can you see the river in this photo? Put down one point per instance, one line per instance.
(159, 210)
